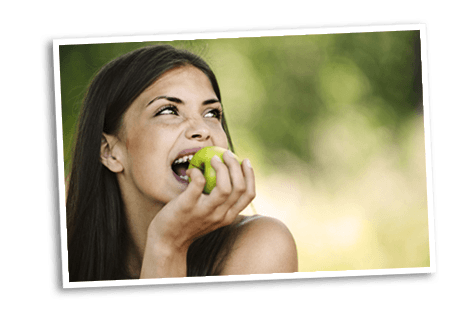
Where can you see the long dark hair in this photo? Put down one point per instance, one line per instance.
(97, 230)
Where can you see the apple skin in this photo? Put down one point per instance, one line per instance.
(202, 159)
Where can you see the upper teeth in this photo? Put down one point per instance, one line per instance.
(183, 159)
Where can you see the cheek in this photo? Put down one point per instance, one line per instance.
(144, 162)
(140, 147)
(148, 151)
(220, 136)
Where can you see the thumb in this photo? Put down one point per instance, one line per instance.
(196, 186)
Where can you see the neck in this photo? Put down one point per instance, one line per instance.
(134, 263)
(139, 212)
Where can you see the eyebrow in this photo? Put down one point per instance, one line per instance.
(179, 101)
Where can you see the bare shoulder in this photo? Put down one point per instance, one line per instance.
(263, 245)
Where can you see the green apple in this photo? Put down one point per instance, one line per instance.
(202, 159)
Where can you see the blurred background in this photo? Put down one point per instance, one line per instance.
(333, 125)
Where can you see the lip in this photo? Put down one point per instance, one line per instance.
(179, 178)
(188, 151)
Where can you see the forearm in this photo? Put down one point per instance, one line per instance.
(162, 261)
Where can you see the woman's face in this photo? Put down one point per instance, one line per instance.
(174, 117)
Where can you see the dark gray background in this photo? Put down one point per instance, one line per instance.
(24, 258)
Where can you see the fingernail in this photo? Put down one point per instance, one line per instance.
(216, 158)
(248, 163)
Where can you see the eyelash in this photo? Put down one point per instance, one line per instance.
(171, 107)
(218, 113)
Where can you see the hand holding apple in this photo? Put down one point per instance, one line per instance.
(230, 189)
(202, 161)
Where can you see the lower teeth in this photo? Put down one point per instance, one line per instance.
(186, 178)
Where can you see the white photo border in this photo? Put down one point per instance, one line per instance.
(242, 34)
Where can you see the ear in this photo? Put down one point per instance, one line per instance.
(110, 154)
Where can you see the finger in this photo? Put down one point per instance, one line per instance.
(237, 177)
(250, 193)
(195, 188)
(223, 187)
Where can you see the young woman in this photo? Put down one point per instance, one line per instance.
(130, 212)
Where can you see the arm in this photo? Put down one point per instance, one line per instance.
(193, 214)
(263, 246)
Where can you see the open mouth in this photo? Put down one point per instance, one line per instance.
(180, 165)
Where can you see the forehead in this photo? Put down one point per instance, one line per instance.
(187, 78)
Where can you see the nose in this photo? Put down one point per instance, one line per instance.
(198, 130)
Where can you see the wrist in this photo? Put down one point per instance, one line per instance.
(162, 261)
(163, 258)
(165, 249)
(165, 243)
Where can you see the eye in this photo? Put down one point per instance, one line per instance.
(167, 110)
(214, 113)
